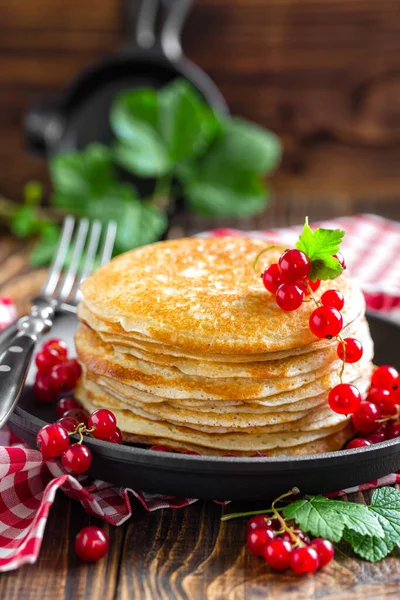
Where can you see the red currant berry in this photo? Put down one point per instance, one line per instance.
(384, 377)
(375, 438)
(116, 438)
(333, 298)
(326, 322)
(257, 539)
(64, 376)
(393, 430)
(383, 400)
(272, 278)
(104, 423)
(344, 399)
(78, 414)
(45, 361)
(57, 346)
(294, 265)
(66, 404)
(277, 554)
(91, 544)
(324, 549)
(396, 390)
(159, 448)
(76, 459)
(43, 389)
(259, 522)
(75, 368)
(68, 423)
(52, 440)
(289, 296)
(304, 560)
(314, 285)
(366, 417)
(357, 443)
(340, 258)
(351, 352)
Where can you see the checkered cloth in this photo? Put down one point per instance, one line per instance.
(28, 485)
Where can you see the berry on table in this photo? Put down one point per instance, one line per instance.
(272, 278)
(116, 438)
(326, 322)
(304, 560)
(104, 423)
(68, 423)
(257, 539)
(383, 400)
(52, 440)
(77, 413)
(43, 389)
(66, 404)
(289, 296)
(366, 417)
(259, 522)
(91, 544)
(384, 377)
(357, 443)
(56, 346)
(324, 549)
(351, 352)
(393, 430)
(294, 265)
(344, 399)
(45, 361)
(277, 554)
(333, 298)
(77, 458)
(64, 375)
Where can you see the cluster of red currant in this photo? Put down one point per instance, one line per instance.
(56, 373)
(378, 418)
(284, 546)
(288, 280)
(53, 439)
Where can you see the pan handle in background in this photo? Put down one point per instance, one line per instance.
(143, 17)
(44, 125)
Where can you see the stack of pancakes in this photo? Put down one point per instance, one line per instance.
(183, 343)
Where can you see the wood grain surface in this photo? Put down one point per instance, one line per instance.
(183, 554)
(324, 74)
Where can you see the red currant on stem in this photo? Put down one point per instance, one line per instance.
(344, 399)
(116, 438)
(304, 560)
(68, 423)
(57, 346)
(45, 361)
(333, 298)
(384, 377)
(278, 554)
(52, 440)
(259, 522)
(257, 539)
(294, 265)
(77, 413)
(65, 375)
(393, 430)
(324, 549)
(91, 544)
(350, 350)
(103, 422)
(383, 400)
(326, 322)
(357, 443)
(43, 389)
(289, 296)
(77, 458)
(366, 417)
(272, 278)
(66, 404)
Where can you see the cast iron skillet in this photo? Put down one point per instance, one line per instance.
(243, 479)
(80, 114)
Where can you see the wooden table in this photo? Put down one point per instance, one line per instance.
(185, 554)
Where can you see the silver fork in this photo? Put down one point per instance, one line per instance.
(60, 292)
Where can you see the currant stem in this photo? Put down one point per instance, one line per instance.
(341, 340)
(293, 491)
(297, 541)
(317, 302)
(276, 246)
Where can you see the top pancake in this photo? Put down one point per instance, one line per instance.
(203, 295)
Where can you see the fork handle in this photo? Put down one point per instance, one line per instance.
(16, 358)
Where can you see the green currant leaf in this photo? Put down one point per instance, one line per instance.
(317, 516)
(320, 246)
(369, 547)
(385, 506)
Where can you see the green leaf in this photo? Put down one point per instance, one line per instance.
(134, 121)
(182, 121)
(33, 192)
(316, 516)
(320, 246)
(385, 506)
(44, 250)
(329, 518)
(249, 147)
(369, 547)
(25, 222)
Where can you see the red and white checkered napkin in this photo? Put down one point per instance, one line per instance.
(371, 248)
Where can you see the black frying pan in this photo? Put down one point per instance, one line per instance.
(153, 58)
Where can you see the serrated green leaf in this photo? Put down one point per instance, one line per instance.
(134, 120)
(357, 518)
(369, 547)
(320, 246)
(385, 506)
(324, 269)
(182, 123)
(25, 222)
(317, 516)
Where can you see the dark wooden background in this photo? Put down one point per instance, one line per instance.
(324, 74)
